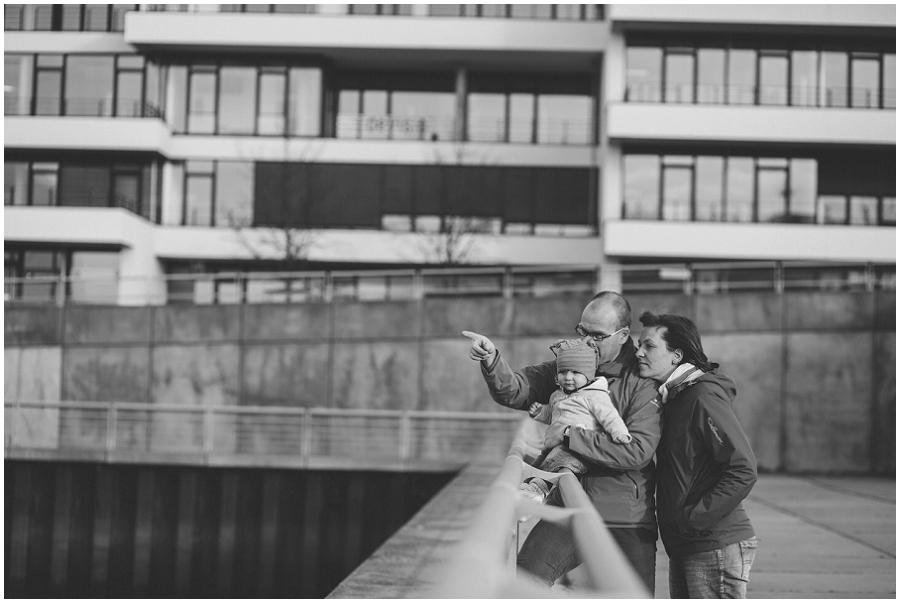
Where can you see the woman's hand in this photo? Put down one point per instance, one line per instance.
(554, 435)
(482, 349)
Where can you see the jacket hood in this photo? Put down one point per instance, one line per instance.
(712, 379)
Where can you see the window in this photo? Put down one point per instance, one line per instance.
(237, 100)
(771, 189)
(804, 178)
(198, 193)
(486, 117)
(564, 119)
(94, 277)
(773, 78)
(710, 190)
(15, 183)
(17, 75)
(234, 193)
(422, 115)
(677, 187)
(804, 64)
(89, 85)
(863, 210)
(740, 189)
(679, 70)
(201, 117)
(641, 187)
(834, 79)
(864, 82)
(711, 75)
(521, 117)
(831, 209)
(48, 85)
(272, 88)
(889, 81)
(44, 183)
(84, 185)
(12, 16)
(741, 77)
(644, 74)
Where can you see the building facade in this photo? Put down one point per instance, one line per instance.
(740, 146)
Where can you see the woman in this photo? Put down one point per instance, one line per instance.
(705, 467)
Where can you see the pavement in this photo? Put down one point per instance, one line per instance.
(820, 537)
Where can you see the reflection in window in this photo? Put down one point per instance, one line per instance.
(17, 76)
(771, 190)
(201, 112)
(521, 117)
(422, 115)
(804, 179)
(271, 102)
(889, 81)
(641, 187)
(198, 193)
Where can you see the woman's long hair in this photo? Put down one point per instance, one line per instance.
(680, 334)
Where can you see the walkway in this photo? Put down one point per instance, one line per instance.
(820, 537)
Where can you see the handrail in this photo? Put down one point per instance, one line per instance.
(481, 565)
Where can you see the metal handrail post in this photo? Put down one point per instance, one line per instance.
(207, 431)
(405, 434)
(111, 427)
(306, 430)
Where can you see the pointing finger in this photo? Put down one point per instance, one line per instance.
(473, 336)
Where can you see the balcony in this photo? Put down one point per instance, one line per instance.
(688, 122)
(640, 239)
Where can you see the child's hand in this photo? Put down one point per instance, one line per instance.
(482, 347)
(535, 409)
(623, 438)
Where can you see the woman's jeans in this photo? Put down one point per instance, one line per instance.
(717, 574)
(549, 552)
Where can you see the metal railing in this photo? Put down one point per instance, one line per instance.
(265, 435)
(482, 566)
(749, 94)
(51, 106)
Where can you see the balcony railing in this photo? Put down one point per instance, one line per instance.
(477, 129)
(482, 564)
(270, 435)
(736, 94)
(558, 12)
(79, 107)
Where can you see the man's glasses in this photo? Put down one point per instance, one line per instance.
(597, 337)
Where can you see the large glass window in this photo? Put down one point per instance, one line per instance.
(305, 101)
(48, 85)
(198, 193)
(889, 81)
(202, 103)
(486, 115)
(564, 119)
(740, 189)
(831, 209)
(677, 187)
(863, 210)
(804, 68)
(44, 187)
(521, 117)
(89, 85)
(804, 177)
(272, 87)
(176, 102)
(679, 76)
(710, 188)
(773, 78)
(834, 79)
(864, 74)
(422, 115)
(237, 100)
(741, 77)
(641, 187)
(17, 75)
(234, 193)
(644, 74)
(772, 189)
(710, 75)
(15, 183)
(84, 185)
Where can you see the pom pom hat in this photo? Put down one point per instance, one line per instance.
(575, 355)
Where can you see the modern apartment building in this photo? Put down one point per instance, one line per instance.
(752, 145)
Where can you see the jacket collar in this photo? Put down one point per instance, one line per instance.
(616, 367)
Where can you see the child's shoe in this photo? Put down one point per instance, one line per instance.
(536, 489)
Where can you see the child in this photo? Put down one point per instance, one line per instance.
(582, 400)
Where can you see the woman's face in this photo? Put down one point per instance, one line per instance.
(655, 361)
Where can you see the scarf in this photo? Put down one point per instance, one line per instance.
(684, 375)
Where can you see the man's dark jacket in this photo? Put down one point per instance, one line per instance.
(706, 468)
(620, 480)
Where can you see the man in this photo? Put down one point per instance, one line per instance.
(620, 479)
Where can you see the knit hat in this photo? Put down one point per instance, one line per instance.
(575, 355)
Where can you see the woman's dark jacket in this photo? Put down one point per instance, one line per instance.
(705, 468)
(620, 477)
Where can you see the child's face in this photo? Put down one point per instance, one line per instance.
(570, 380)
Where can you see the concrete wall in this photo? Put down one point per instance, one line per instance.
(815, 372)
